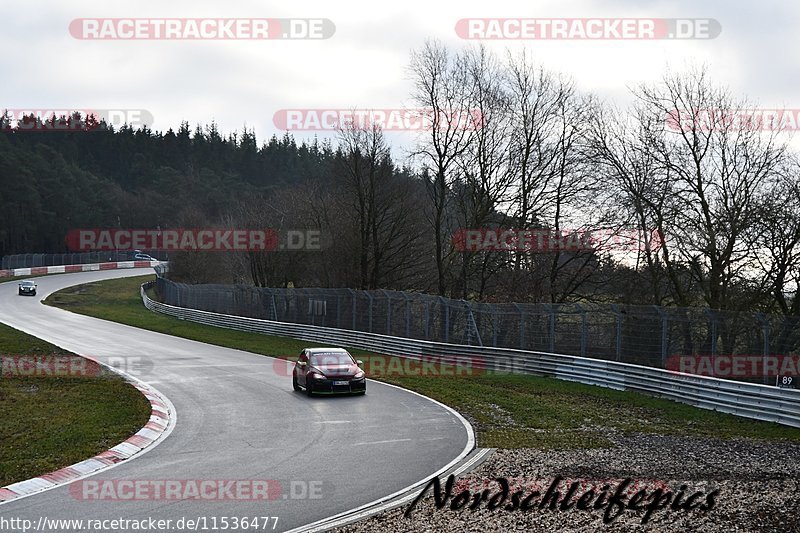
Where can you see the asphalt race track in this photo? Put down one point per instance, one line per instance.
(238, 419)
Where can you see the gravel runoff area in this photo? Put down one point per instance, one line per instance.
(757, 483)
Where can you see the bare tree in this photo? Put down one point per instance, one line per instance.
(442, 86)
(717, 167)
(364, 167)
(553, 187)
(382, 204)
(778, 239)
(536, 98)
(641, 195)
(485, 170)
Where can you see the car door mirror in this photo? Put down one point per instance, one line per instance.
(360, 362)
(301, 364)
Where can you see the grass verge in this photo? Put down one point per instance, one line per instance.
(507, 411)
(51, 422)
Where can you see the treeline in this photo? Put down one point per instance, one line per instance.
(712, 202)
(54, 181)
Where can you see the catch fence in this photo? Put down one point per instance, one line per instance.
(642, 335)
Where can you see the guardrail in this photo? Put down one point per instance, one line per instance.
(88, 267)
(755, 401)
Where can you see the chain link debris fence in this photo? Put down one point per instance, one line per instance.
(642, 335)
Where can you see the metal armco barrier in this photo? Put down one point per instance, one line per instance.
(755, 401)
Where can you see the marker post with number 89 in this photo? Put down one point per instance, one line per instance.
(787, 382)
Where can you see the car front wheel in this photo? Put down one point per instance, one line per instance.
(309, 392)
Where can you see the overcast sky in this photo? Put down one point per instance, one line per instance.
(364, 64)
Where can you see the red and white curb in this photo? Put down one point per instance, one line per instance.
(162, 420)
(62, 269)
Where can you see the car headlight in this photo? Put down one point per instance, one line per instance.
(316, 375)
(359, 374)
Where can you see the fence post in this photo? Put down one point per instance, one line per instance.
(470, 325)
(712, 316)
(353, 296)
(664, 336)
(408, 315)
(273, 312)
(369, 297)
(388, 311)
(494, 326)
(297, 310)
(446, 319)
(765, 330)
(584, 332)
(521, 326)
(618, 314)
(427, 319)
(552, 328)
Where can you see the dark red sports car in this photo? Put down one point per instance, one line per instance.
(328, 371)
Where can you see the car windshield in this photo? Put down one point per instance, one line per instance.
(27, 284)
(331, 358)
